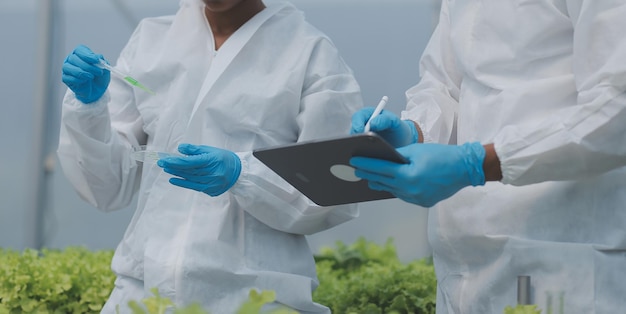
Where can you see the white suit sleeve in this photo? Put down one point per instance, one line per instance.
(330, 96)
(433, 103)
(96, 141)
(587, 138)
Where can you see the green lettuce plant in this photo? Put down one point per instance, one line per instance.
(360, 278)
(159, 305)
(367, 278)
(74, 280)
(522, 309)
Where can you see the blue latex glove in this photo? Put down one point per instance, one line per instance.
(434, 172)
(86, 80)
(204, 168)
(388, 125)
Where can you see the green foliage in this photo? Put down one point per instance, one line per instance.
(153, 305)
(359, 278)
(366, 278)
(74, 280)
(354, 256)
(257, 300)
(522, 309)
(159, 305)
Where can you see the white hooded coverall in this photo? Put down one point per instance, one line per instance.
(276, 80)
(544, 81)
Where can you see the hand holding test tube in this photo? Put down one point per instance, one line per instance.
(126, 78)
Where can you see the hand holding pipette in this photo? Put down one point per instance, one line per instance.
(87, 81)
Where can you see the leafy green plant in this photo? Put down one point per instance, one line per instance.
(359, 278)
(159, 305)
(522, 309)
(367, 278)
(74, 280)
(362, 278)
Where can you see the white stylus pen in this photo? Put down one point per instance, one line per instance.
(376, 112)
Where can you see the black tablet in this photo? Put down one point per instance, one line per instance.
(321, 169)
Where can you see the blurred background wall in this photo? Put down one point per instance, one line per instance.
(381, 41)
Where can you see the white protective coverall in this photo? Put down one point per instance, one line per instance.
(544, 81)
(276, 80)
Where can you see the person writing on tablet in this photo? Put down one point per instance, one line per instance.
(516, 140)
(228, 77)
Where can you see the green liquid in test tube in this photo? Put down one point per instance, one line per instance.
(127, 78)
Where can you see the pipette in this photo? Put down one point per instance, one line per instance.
(127, 78)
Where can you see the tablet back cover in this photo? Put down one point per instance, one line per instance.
(321, 169)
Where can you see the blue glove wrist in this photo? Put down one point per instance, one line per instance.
(413, 131)
(236, 171)
(474, 157)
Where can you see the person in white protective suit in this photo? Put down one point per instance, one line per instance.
(229, 76)
(522, 110)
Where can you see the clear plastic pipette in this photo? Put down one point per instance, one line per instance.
(127, 78)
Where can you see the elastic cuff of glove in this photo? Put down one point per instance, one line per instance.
(89, 100)
(474, 158)
(413, 130)
(236, 172)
